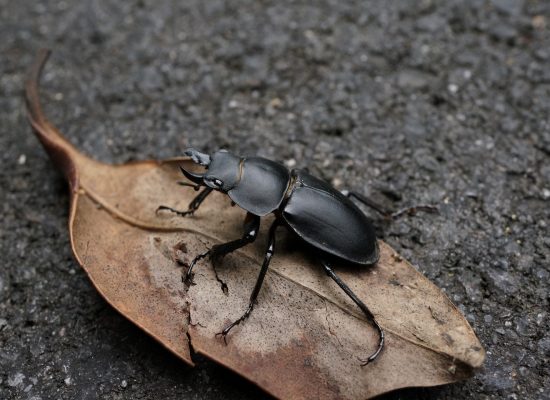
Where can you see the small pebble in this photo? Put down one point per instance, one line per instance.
(453, 88)
(290, 163)
(16, 379)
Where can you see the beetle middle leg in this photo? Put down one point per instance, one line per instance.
(259, 282)
(387, 213)
(363, 308)
(193, 206)
(251, 228)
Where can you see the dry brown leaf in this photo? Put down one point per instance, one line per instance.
(304, 336)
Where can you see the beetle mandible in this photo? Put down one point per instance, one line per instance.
(311, 208)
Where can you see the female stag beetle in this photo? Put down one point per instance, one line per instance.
(316, 212)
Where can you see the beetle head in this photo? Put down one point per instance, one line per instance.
(223, 169)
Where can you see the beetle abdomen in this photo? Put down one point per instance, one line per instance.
(329, 221)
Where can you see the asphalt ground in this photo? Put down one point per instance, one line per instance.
(407, 101)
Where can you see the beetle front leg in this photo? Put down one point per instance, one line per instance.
(267, 259)
(251, 228)
(387, 213)
(193, 206)
(363, 308)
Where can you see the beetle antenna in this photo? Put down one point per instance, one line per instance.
(198, 157)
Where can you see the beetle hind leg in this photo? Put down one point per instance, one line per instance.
(253, 297)
(387, 213)
(363, 308)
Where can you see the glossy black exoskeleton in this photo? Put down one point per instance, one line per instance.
(316, 212)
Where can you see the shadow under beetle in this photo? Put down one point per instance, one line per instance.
(316, 212)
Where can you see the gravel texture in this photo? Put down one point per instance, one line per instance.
(408, 101)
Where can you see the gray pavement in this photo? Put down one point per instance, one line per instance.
(408, 101)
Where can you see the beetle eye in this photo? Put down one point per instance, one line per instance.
(214, 183)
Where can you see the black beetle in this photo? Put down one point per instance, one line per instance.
(316, 212)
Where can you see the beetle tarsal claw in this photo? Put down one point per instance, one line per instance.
(363, 362)
(224, 335)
